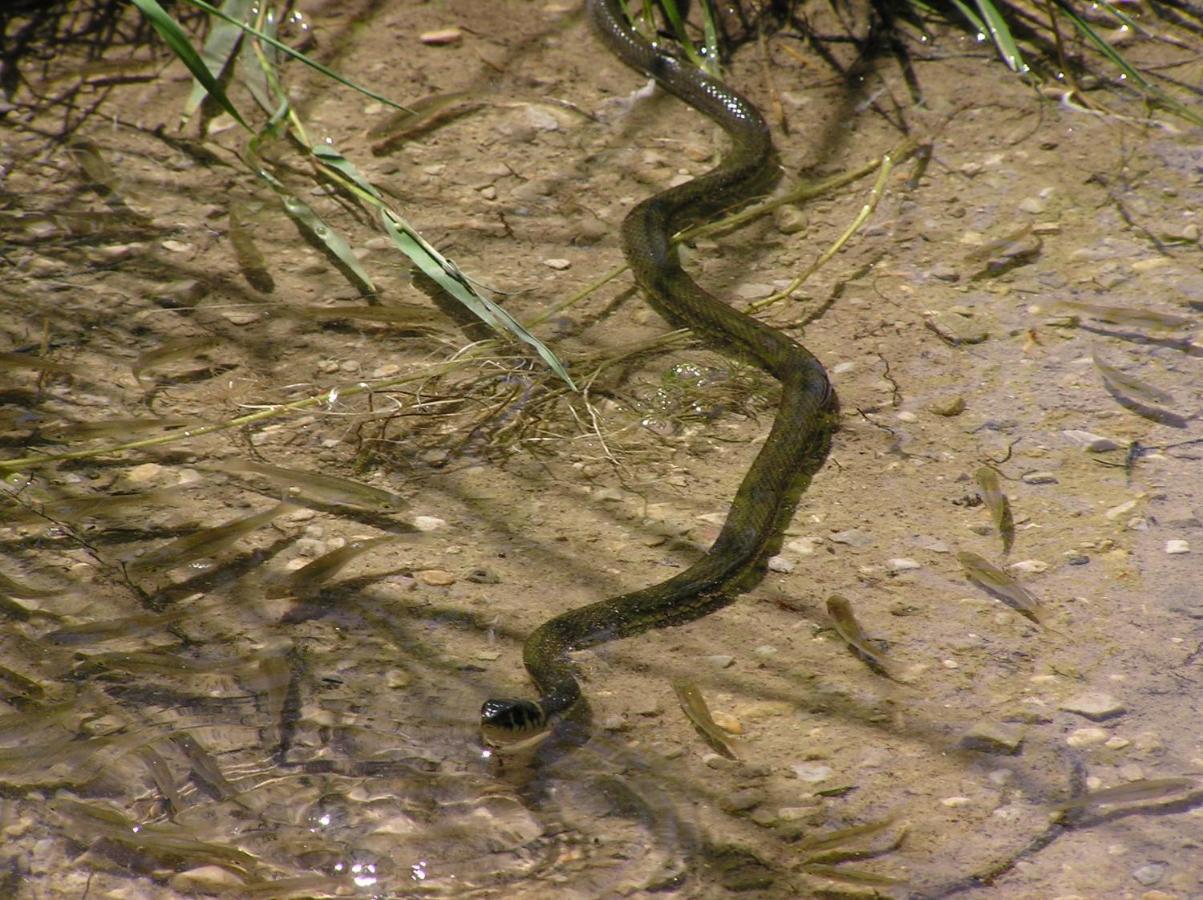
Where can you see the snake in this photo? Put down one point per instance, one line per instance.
(797, 441)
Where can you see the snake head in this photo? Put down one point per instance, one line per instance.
(507, 721)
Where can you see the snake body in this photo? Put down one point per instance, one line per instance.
(800, 429)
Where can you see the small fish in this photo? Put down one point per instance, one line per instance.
(849, 629)
(113, 629)
(310, 577)
(1137, 396)
(998, 583)
(998, 504)
(204, 766)
(320, 488)
(172, 351)
(421, 116)
(246, 251)
(87, 156)
(411, 317)
(696, 710)
(144, 662)
(160, 773)
(14, 684)
(1143, 789)
(205, 543)
(89, 431)
(1126, 314)
(10, 587)
(72, 509)
(26, 361)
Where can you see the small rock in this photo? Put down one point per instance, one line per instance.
(907, 416)
(435, 577)
(948, 408)
(143, 474)
(955, 802)
(1122, 510)
(1093, 705)
(428, 523)
(1148, 742)
(212, 880)
(241, 316)
(790, 219)
(1087, 737)
(557, 263)
(488, 655)
(1095, 443)
(744, 800)
(1077, 559)
(1116, 743)
(721, 661)
(441, 37)
(902, 564)
(811, 773)
(944, 272)
(957, 329)
(853, 537)
(727, 722)
(1150, 874)
(615, 723)
(802, 546)
(1039, 478)
(1034, 205)
(177, 246)
(781, 564)
(483, 576)
(1177, 547)
(993, 737)
(1029, 566)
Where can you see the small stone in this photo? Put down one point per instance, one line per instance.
(727, 722)
(765, 650)
(488, 655)
(177, 246)
(955, 802)
(428, 523)
(811, 773)
(146, 473)
(1116, 743)
(721, 661)
(781, 564)
(483, 576)
(435, 577)
(1029, 566)
(853, 537)
(397, 679)
(948, 408)
(802, 546)
(1093, 705)
(1122, 510)
(1150, 874)
(211, 880)
(1094, 443)
(557, 263)
(1087, 737)
(1177, 547)
(1034, 205)
(743, 800)
(902, 564)
(907, 416)
(441, 37)
(615, 723)
(1077, 559)
(1148, 742)
(790, 220)
(942, 271)
(1039, 478)
(993, 737)
(957, 329)
(241, 316)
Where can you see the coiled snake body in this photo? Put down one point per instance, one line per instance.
(800, 430)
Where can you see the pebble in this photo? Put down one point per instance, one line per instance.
(853, 537)
(1123, 509)
(176, 246)
(993, 737)
(1148, 742)
(1039, 478)
(488, 655)
(143, 474)
(1087, 737)
(944, 272)
(557, 263)
(441, 36)
(212, 880)
(902, 564)
(781, 564)
(790, 220)
(241, 316)
(727, 722)
(436, 577)
(742, 800)
(907, 416)
(1095, 443)
(1093, 705)
(721, 661)
(1177, 547)
(1077, 559)
(1117, 743)
(811, 773)
(428, 523)
(954, 802)
(482, 575)
(1030, 566)
(958, 329)
(802, 546)
(948, 408)
(1150, 874)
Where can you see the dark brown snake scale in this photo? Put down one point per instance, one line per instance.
(800, 429)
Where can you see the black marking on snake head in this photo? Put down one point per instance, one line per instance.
(512, 716)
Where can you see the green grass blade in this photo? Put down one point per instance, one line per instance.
(1000, 31)
(175, 38)
(328, 156)
(218, 51)
(448, 276)
(284, 48)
